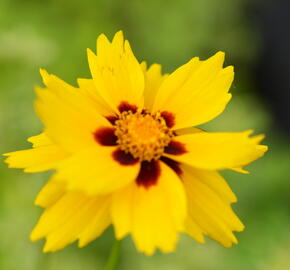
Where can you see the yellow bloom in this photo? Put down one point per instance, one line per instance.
(126, 153)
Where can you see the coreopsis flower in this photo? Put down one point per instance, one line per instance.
(126, 151)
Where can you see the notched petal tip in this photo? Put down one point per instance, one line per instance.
(143, 65)
(229, 69)
(202, 241)
(263, 148)
(102, 43)
(48, 248)
(43, 72)
(240, 170)
(120, 32)
(102, 37)
(44, 75)
(10, 159)
(120, 234)
(127, 47)
(241, 228)
(82, 243)
(90, 54)
(230, 242)
(216, 60)
(219, 56)
(38, 89)
(118, 37)
(248, 131)
(257, 139)
(34, 235)
(194, 59)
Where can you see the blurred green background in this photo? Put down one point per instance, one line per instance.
(54, 34)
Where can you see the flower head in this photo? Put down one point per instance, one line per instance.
(126, 152)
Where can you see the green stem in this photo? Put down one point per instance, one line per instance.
(114, 256)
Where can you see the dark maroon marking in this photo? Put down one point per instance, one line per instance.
(124, 158)
(175, 148)
(174, 165)
(148, 174)
(125, 106)
(169, 118)
(112, 119)
(106, 136)
(145, 112)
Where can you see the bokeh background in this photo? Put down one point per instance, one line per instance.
(54, 34)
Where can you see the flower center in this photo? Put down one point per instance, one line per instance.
(142, 134)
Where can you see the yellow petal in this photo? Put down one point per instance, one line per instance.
(116, 73)
(73, 216)
(98, 224)
(154, 215)
(153, 79)
(220, 150)
(39, 140)
(240, 170)
(44, 156)
(88, 87)
(97, 171)
(196, 92)
(209, 210)
(68, 115)
(193, 230)
(74, 97)
(50, 193)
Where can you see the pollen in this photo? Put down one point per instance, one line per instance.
(143, 134)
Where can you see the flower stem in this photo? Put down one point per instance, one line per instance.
(114, 256)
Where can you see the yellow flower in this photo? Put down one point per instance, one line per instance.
(126, 152)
